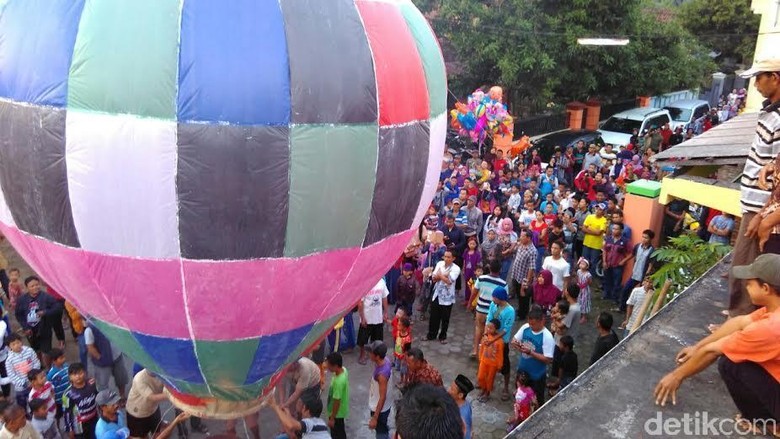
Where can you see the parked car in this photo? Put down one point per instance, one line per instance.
(547, 143)
(685, 111)
(617, 130)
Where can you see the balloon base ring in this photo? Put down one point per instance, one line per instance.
(214, 408)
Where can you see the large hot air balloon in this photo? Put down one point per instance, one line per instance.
(216, 182)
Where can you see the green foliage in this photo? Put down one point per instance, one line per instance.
(685, 259)
(530, 47)
(726, 26)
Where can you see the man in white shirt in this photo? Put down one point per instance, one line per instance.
(558, 266)
(444, 275)
(373, 313)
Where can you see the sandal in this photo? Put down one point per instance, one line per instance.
(505, 396)
(443, 341)
(362, 361)
(483, 399)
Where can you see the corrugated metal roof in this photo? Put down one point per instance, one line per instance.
(729, 139)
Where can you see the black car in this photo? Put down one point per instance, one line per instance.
(546, 144)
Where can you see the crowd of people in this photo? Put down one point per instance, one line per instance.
(509, 239)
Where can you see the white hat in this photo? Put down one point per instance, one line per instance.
(767, 63)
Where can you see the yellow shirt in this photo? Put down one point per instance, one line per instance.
(592, 241)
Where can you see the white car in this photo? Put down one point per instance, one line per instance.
(617, 130)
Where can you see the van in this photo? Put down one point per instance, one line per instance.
(686, 111)
(617, 130)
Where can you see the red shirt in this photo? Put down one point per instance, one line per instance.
(426, 375)
(498, 164)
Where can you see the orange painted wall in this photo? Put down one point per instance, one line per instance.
(642, 213)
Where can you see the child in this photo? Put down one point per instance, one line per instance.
(549, 215)
(564, 367)
(557, 316)
(15, 289)
(58, 377)
(525, 401)
(42, 389)
(432, 218)
(583, 281)
(407, 288)
(338, 396)
(41, 420)
(472, 258)
(636, 298)
(403, 342)
(478, 272)
(21, 360)
(78, 404)
(491, 358)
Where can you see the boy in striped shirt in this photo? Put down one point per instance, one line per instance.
(42, 389)
(21, 360)
(58, 377)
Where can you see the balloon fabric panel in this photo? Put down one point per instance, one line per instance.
(330, 63)
(403, 153)
(126, 58)
(34, 139)
(333, 169)
(435, 150)
(234, 65)
(233, 179)
(281, 153)
(29, 29)
(430, 54)
(400, 76)
(115, 164)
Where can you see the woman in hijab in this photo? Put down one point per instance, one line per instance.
(545, 293)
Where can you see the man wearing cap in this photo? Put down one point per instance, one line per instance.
(746, 347)
(501, 310)
(112, 418)
(459, 389)
(474, 217)
(594, 227)
(763, 150)
(378, 404)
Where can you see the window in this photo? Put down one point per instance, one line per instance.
(620, 125)
(700, 111)
(656, 121)
(679, 114)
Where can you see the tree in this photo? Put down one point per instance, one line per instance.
(530, 47)
(728, 27)
(685, 259)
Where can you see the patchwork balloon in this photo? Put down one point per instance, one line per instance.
(216, 182)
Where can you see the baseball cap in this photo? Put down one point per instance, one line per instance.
(457, 200)
(408, 267)
(378, 348)
(764, 267)
(766, 63)
(122, 433)
(107, 397)
(601, 206)
(473, 198)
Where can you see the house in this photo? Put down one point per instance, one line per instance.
(707, 168)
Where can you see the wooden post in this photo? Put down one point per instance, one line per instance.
(661, 297)
(642, 311)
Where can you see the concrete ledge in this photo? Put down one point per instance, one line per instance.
(613, 398)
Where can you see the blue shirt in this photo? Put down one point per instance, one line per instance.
(544, 205)
(465, 413)
(507, 319)
(103, 427)
(541, 343)
(58, 377)
(721, 222)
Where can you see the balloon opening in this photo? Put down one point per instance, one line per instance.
(214, 408)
